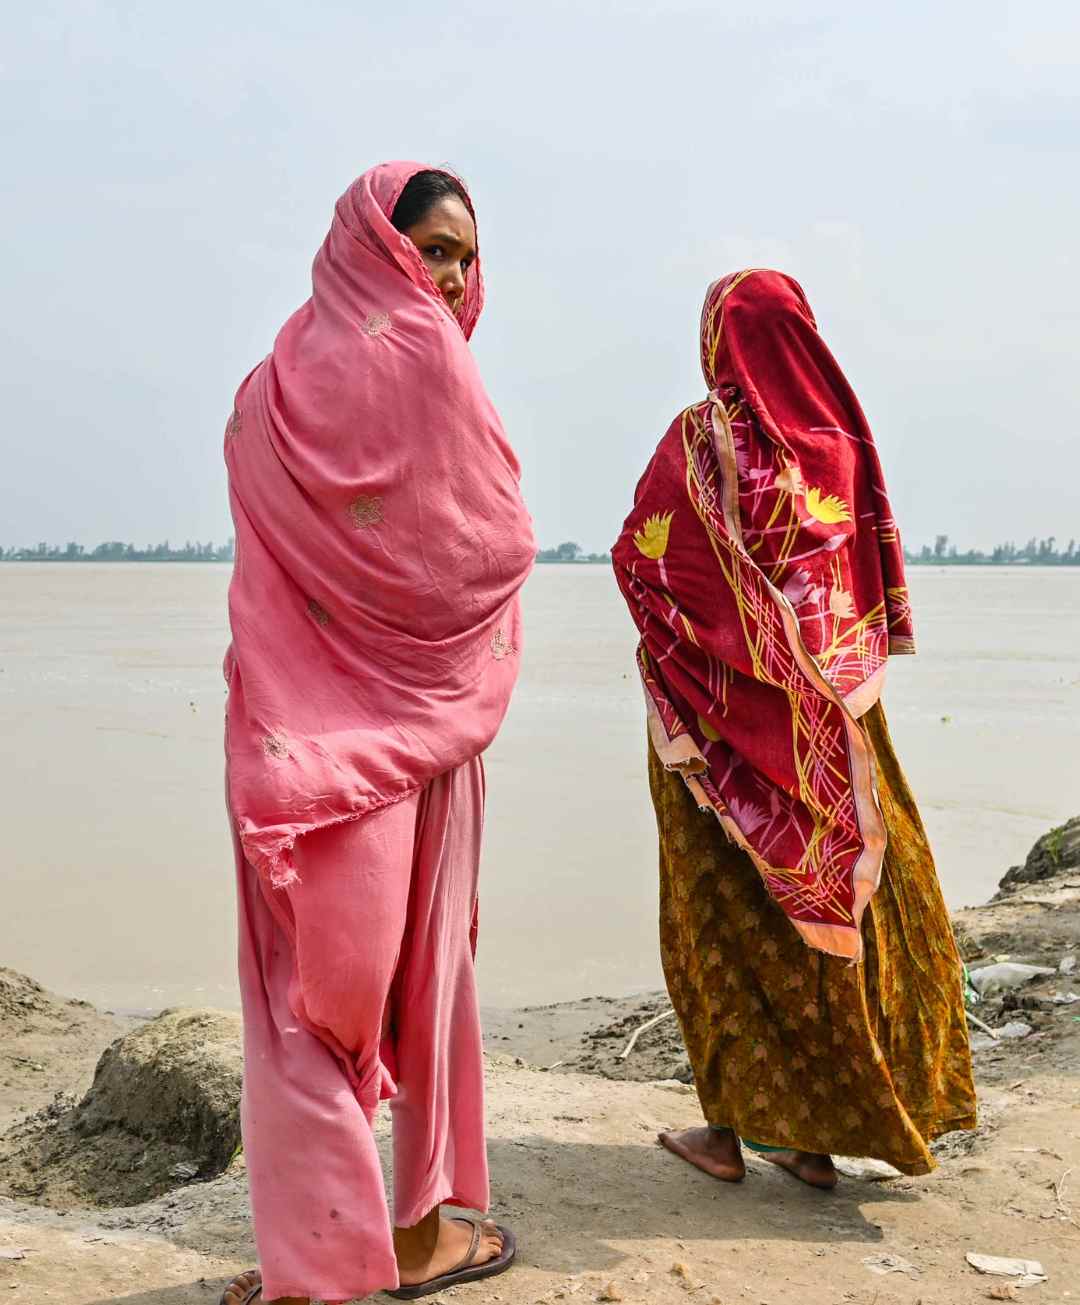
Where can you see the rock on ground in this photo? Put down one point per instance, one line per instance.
(1056, 853)
(163, 1108)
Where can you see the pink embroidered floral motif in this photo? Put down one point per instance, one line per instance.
(232, 426)
(376, 324)
(366, 510)
(318, 613)
(276, 745)
(501, 646)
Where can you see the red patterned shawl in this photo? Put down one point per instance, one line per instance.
(762, 566)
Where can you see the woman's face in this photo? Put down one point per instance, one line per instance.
(446, 239)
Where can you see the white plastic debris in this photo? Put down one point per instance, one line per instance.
(871, 1171)
(1015, 1029)
(184, 1171)
(1065, 998)
(1068, 964)
(1005, 976)
(1027, 1273)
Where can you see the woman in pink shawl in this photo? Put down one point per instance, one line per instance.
(381, 544)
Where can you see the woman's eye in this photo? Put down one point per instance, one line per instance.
(436, 250)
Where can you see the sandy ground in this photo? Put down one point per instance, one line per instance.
(602, 1212)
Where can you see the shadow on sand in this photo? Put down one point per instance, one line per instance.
(602, 1199)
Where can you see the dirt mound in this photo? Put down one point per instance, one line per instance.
(23, 1001)
(1056, 853)
(18, 996)
(47, 1044)
(164, 1108)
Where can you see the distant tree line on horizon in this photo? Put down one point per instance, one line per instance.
(1036, 552)
(115, 551)
(570, 552)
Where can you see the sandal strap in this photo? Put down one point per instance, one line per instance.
(251, 1292)
(474, 1245)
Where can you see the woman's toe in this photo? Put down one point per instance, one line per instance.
(238, 1289)
(490, 1240)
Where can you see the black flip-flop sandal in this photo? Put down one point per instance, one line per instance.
(251, 1292)
(466, 1271)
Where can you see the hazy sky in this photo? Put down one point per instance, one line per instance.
(171, 170)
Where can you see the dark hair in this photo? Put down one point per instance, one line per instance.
(422, 192)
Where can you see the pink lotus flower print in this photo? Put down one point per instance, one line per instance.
(841, 603)
(790, 479)
(746, 815)
(796, 586)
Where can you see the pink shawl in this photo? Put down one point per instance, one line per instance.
(381, 543)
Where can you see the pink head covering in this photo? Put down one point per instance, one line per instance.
(381, 542)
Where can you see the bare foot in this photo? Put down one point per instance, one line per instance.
(713, 1150)
(437, 1245)
(816, 1170)
(236, 1293)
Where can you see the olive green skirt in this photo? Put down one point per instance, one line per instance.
(794, 1048)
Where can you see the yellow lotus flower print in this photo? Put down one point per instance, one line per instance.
(826, 508)
(708, 730)
(652, 538)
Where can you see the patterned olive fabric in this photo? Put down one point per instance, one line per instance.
(794, 1048)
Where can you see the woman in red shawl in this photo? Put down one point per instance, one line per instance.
(805, 941)
(381, 545)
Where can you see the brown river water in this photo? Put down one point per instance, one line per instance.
(117, 865)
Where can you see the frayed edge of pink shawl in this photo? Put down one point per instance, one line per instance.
(272, 853)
